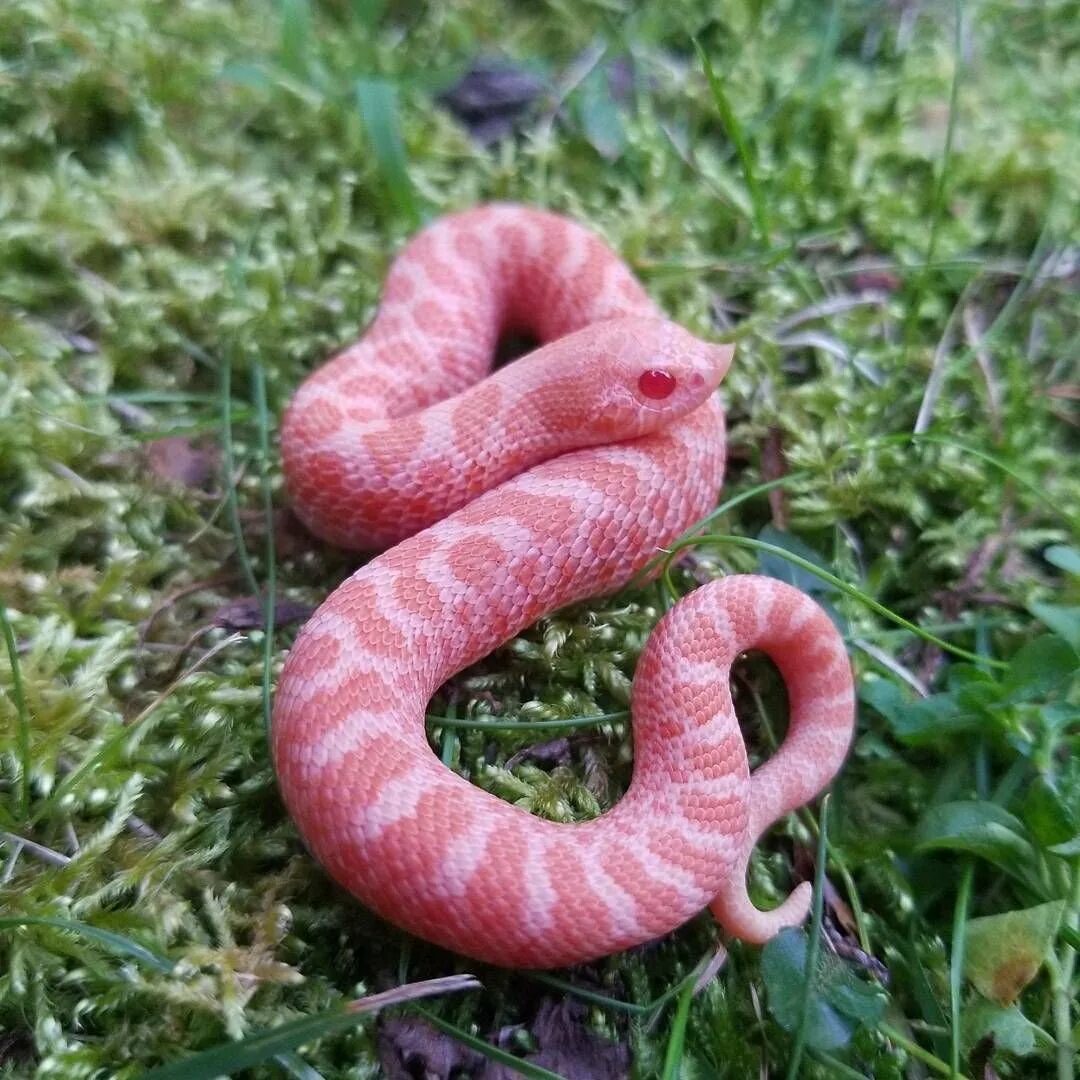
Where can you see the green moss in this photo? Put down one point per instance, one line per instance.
(187, 185)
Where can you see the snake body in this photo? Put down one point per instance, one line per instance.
(502, 496)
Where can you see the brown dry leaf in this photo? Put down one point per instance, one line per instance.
(835, 904)
(877, 279)
(981, 1064)
(1065, 391)
(569, 1047)
(1004, 952)
(411, 1049)
(492, 97)
(177, 460)
(247, 613)
(551, 752)
(773, 467)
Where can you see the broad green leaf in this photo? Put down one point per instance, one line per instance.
(1010, 1029)
(783, 966)
(1050, 817)
(1064, 558)
(977, 695)
(1039, 667)
(978, 828)
(600, 116)
(919, 720)
(886, 697)
(1059, 715)
(839, 1002)
(1063, 620)
(961, 676)
(1067, 849)
(1003, 953)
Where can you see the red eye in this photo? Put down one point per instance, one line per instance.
(656, 384)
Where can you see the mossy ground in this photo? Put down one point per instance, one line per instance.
(199, 201)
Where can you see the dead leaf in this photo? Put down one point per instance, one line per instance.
(179, 461)
(552, 752)
(876, 278)
(413, 1050)
(247, 613)
(569, 1047)
(773, 467)
(980, 1062)
(414, 991)
(168, 601)
(597, 776)
(848, 948)
(1004, 952)
(17, 1050)
(492, 97)
(410, 1049)
(81, 343)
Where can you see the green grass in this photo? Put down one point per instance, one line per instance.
(199, 202)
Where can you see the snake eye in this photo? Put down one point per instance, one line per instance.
(656, 384)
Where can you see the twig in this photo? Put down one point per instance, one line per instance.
(448, 984)
(831, 305)
(974, 331)
(937, 375)
(39, 851)
(888, 662)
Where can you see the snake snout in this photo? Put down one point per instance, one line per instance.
(720, 357)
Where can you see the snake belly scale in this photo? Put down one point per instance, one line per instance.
(500, 496)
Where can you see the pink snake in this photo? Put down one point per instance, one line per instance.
(506, 495)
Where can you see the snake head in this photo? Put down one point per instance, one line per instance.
(643, 374)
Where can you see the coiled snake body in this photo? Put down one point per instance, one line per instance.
(502, 496)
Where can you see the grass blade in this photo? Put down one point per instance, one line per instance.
(228, 464)
(956, 963)
(295, 42)
(813, 946)
(837, 583)
(742, 146)
(107, 939)
(570, 723)
(22, 714)
(377, 100)
(677, 1038)
(937, 203)
(263, 1046)
(262, 414)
